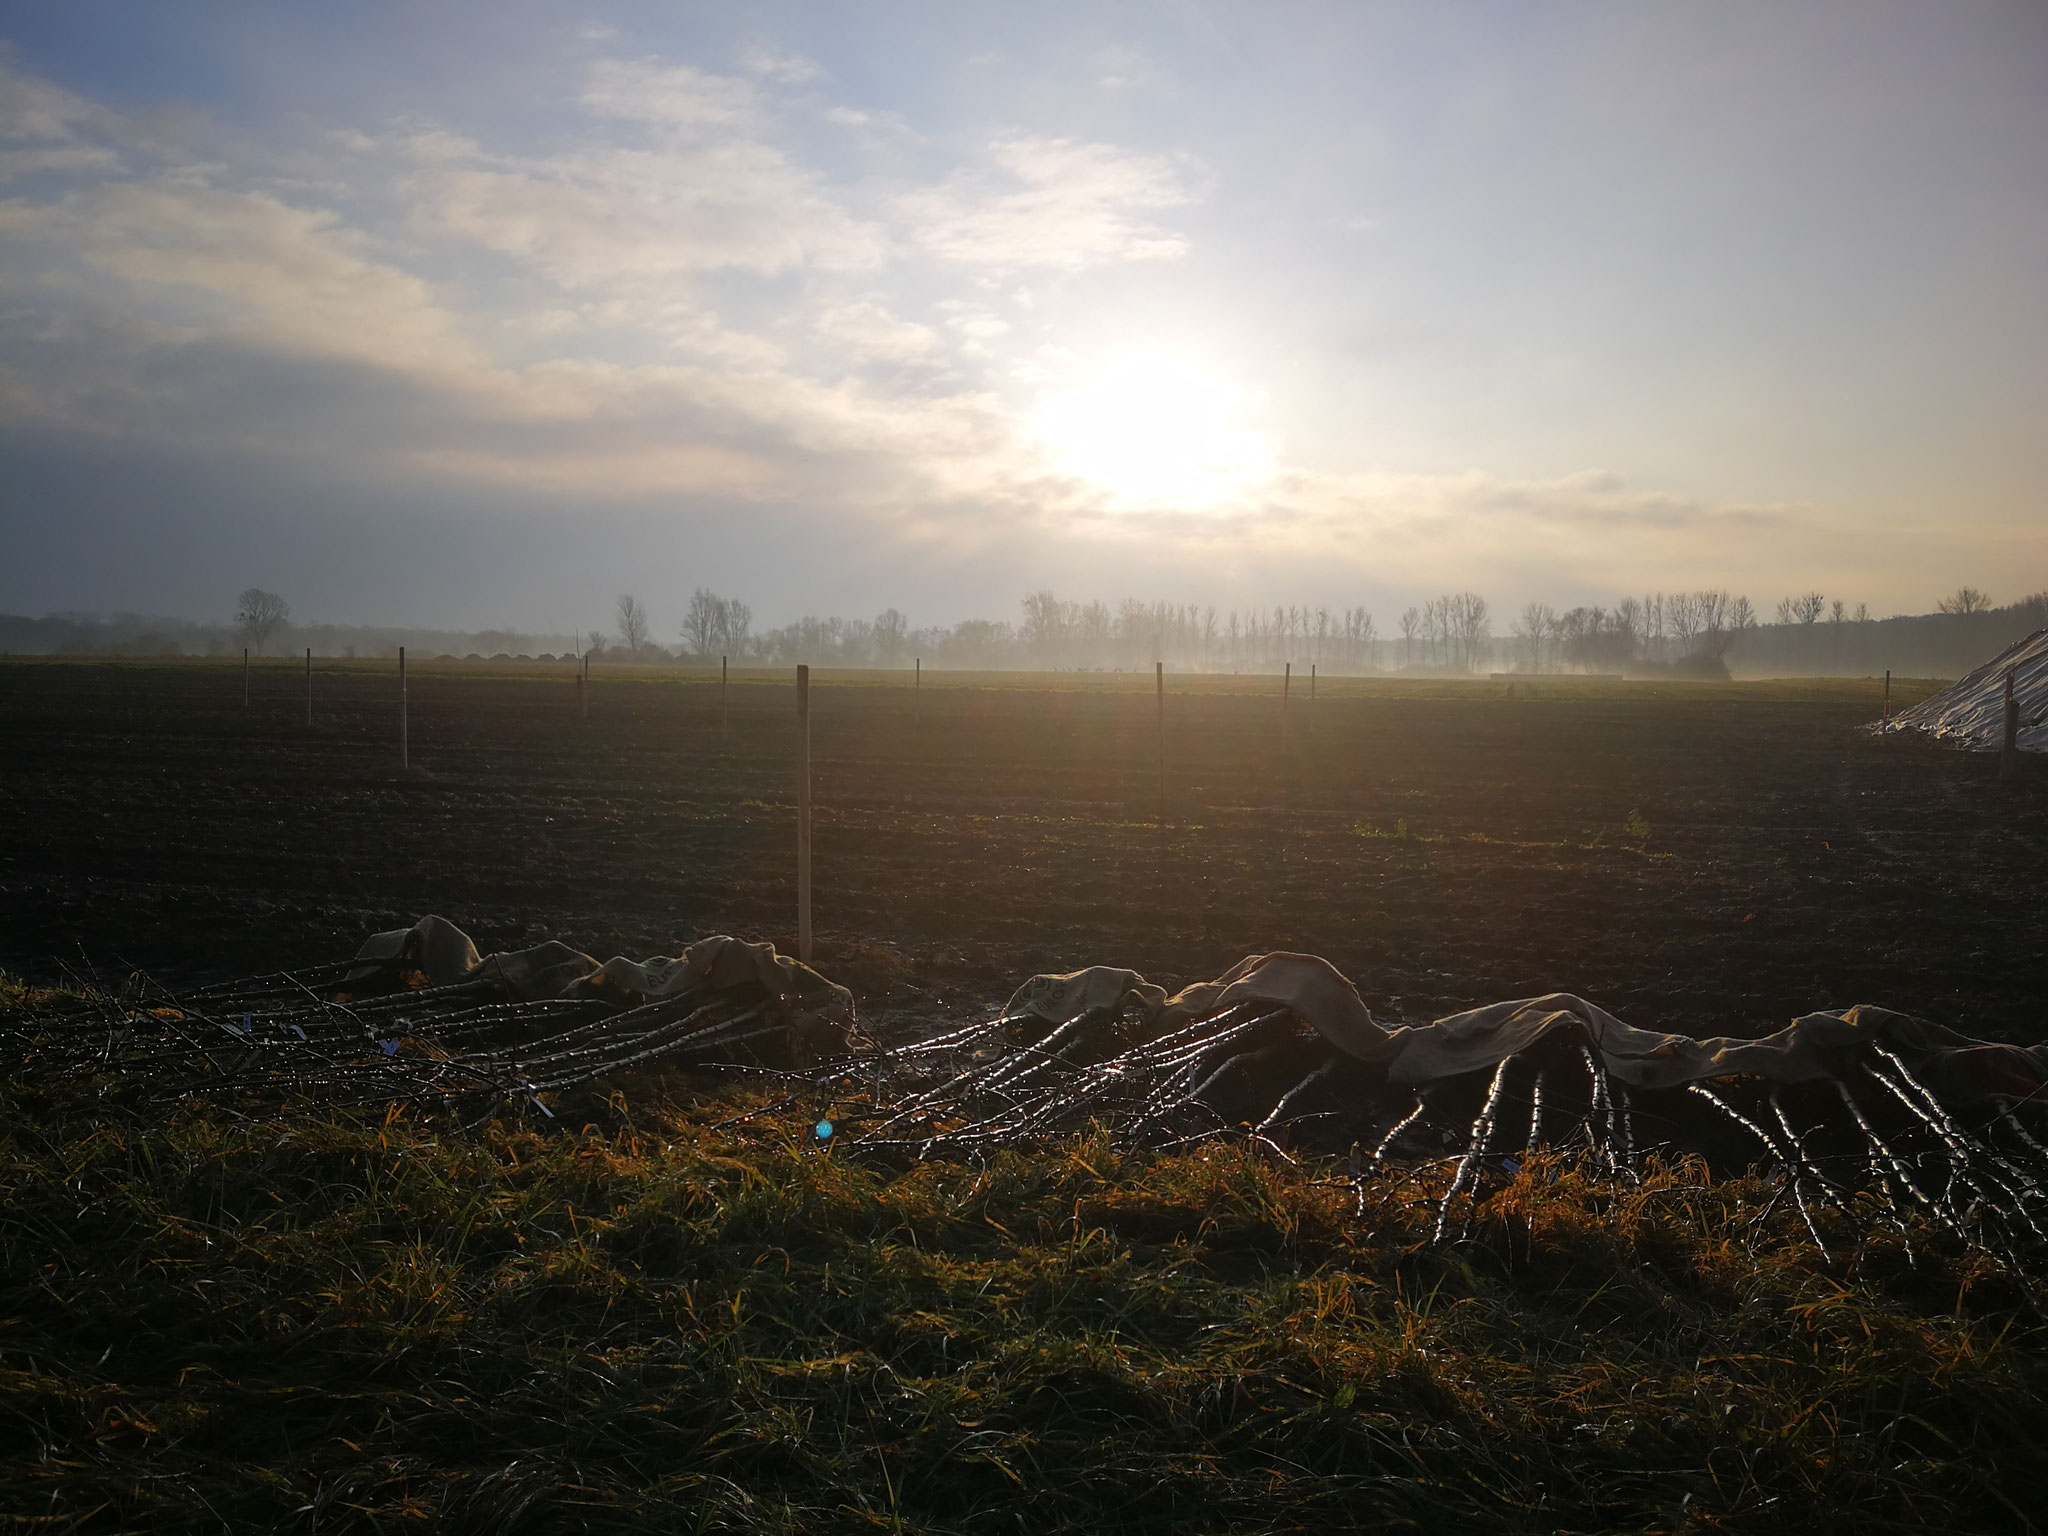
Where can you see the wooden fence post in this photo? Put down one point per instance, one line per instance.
(1159, 684)
(917, 690)
(803, 814)
(2009, 753)
(309, 685)
(1311, 698)
(404, 745)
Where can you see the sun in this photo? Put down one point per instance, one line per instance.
(1156, 433)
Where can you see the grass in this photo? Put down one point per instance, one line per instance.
(675, 1321)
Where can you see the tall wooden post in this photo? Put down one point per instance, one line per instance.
(245, 677)
(404, 745)
(724, 685)
(1159, 684)
(2009, 753)
(803, 814)
(309, 685)
(1885, 719)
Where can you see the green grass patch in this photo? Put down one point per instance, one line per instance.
(674, 1322)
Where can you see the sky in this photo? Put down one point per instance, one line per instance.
(468, 314)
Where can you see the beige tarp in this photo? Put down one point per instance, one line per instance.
(1311, 986)
(434, 952)
(1812, 1047)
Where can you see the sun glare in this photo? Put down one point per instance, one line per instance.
(1156, 433)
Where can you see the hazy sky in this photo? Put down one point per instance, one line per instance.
(475, 314)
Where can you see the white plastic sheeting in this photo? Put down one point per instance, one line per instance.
(1814, 1047)
(1972, 712)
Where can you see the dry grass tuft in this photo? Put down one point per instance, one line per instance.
(669, 1322)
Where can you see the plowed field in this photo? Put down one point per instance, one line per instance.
(1697, 857)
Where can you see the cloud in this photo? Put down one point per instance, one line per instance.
(38, 111)
(1586, 501)
(610, 347)
(1126, 69)
(602, 216)
(47, 130)
(865, 330)
(675, 96)
(1592, 531)
(60, 160)
(764, 61)
(677, 306)
(1055, 203)
(704, 192)
(251, 266)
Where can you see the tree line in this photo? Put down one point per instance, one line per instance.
(1706, 633)
(1701, 633)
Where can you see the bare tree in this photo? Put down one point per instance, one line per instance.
(1802, 610)
(1741, 619)
(1134, 629)
(735, 628)
(1048, 623)
(1090, 626)
(1411, 621)
(1358, 637)
(1628, 620)
(632, 625)
(703, 622)
(1686, 620)
(1533, 632)
(1723, 619)
(1436, 628)
(1964, 601)
(259, 615)
(888, 636)
(1465, 628)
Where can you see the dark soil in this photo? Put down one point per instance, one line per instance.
(1697, 857)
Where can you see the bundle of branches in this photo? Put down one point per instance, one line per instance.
(419, 1017)
(1866, 1113)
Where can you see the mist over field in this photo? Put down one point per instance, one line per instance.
(1684, 634)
